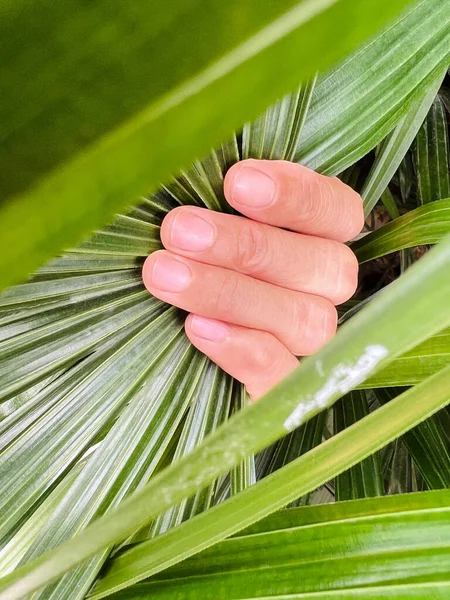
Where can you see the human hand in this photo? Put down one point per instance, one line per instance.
(260, 295)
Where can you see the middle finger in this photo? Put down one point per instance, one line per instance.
(298, 262)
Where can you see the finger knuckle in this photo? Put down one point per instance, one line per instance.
(251, 248)
(228, 295)
(311, 188)
(298, 324)
(315, 324)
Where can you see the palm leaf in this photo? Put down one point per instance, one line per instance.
(428, 446)
(302, 475)
(415, 365)
(424, 225)
(358, 350)
(386, 548)
(364, 480)
(395, 146)
(432, 155)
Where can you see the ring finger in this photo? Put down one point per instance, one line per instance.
(302, 322)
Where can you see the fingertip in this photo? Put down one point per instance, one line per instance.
(352, 216)
(147, 269)
(255, 358)
(232, 172)
(166, 226)
(202, 329)
(248, 186)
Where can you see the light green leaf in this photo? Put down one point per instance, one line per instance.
(388, 548)
(244, 474)
(297, 443)
(414, 366)
(396, 145)
(428, 446)
(302, 475)
(362, 99)
(276, 133)
(210, 409)
(126, 101)
(424, 225)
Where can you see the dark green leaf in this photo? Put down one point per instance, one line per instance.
(428, 445)
(364, 479)
(432, 155)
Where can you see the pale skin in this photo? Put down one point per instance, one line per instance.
(261, 289)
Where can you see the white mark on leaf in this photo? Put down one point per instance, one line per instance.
(319, 368)
(343, 378)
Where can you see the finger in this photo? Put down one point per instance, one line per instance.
(298, 262)
(302, 322)
(255, 358)
(289, 195)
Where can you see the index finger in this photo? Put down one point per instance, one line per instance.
(294, 197)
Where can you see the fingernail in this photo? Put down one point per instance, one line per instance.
(208, 329)
(251, 187)
(170, 275)
(190, 232)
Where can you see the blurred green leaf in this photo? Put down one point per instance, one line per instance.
(100, 103)
(414, 366)
(428, 446)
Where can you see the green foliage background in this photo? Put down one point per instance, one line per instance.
(118, 456)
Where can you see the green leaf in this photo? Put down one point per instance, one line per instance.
(424, 225)
(244, 474)
(432, 155)
(276, 133)
(144, 429)
(389, 203)
(302, 475)
(396, 145)
(428, 446)
(295, 444)
(362, 346)
(64, 419)
(399, 472)
(364, 479)
(388, 548)
(395, 68)
(414, 366)
(210, 409)
(73, 333)
(116, 83)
